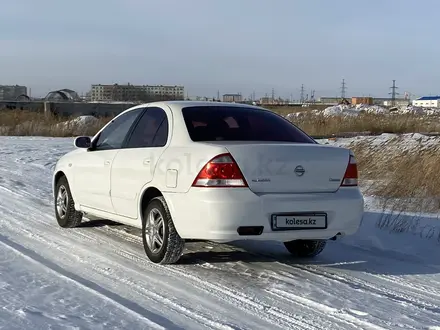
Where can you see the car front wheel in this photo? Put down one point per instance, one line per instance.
(67, 216)
(305, 248)
(162, 243)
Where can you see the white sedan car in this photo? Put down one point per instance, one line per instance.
(210, 171)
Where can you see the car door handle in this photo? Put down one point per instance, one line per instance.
(106, 163)
(147, 161)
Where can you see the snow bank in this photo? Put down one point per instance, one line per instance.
(388, 232)
(295, 115)
(342, 110)
(391, 143)
(79, 124)
(419, 111)
(81, 121)
(375, 109)
(339, 110)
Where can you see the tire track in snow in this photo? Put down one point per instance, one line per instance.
(423, 290)
(152, 320)
(398, 293)
(146, 292)
(135, 258)
(401, 294)
(316, 307)
(394, 294)
(320, 314)
(239, 300)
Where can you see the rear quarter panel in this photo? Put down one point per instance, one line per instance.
(187, 161)
(182, 155)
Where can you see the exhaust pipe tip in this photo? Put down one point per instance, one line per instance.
(334, 238)
(250, 230)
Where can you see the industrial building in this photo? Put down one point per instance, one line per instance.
(382, 101)
(362, 100)
(141, 93)
(427, 102)
(63, 95)
(232, 98)
(12, 92)
(329, 99)
(388, 102)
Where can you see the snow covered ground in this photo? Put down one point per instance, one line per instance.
(356, 110)
(389, 143)
(97, 277)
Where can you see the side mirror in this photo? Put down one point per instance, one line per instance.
(83, 142)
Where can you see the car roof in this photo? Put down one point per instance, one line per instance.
(179, 105)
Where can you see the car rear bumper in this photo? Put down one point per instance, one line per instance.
(216, 213)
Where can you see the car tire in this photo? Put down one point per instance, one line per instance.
(157, 225)
(305, 248)
(67, 216)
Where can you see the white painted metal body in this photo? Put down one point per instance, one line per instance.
(110, 184)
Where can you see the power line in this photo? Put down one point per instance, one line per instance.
(343, 88)
(393, 93)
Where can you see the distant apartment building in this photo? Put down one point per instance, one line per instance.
(232, 98)
(141, 93)
(11, 92)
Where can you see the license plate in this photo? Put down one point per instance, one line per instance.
(299, 221)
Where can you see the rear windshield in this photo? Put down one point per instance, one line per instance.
(217, 123)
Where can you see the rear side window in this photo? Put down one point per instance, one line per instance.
(216, 123)
(151, 130)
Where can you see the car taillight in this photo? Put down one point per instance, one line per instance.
(221, 171)
(351, 173)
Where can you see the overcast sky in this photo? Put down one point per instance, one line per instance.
(228, 45)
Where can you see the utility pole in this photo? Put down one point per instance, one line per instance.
(343, 89)
(301, 99)
(393, 93)
(273, 95)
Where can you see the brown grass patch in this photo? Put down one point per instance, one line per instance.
(23, 122)
(34, 123)
(404, 180)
